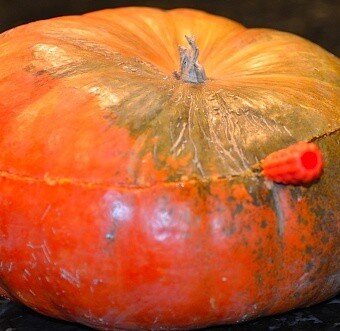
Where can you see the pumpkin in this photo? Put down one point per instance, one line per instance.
(130, 195)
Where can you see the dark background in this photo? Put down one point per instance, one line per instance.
(317, 20)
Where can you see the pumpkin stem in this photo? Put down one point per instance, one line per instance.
(191, 71)
(297, 164)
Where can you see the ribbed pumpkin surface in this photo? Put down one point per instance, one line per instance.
(128, 198)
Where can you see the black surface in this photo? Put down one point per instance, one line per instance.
(317, 20)
(324, 316)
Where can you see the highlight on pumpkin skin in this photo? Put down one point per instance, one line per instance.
(300, 163)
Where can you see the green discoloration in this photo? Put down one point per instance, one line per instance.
(220, 130)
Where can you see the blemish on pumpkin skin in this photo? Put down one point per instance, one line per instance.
(110, 236)
(97, 281)
(74, 280)
(248, 227)
(220, 225)
(259, 253)
(39, 72)
(230, 230)
(302, 220)
(204, 190)
(324, 239)
(239, 208)
(231, 199)
(258, 278)
(264, 224)
(260, 195)
(309, 249)
(26, 274)
(309, 266)
(212, 302)
(296, 193)
(271, 260)
(44, 248)
(9, 266)
(244, 242)
(47, 210)
(269, 236)
(312, 279)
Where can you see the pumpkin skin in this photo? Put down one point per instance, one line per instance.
(130, 199)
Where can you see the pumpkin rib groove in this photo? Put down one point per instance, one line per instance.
(325, 135)
(53, 181)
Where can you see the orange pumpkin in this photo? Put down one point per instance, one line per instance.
(129, 192)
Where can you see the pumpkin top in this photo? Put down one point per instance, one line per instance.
(94, 98)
